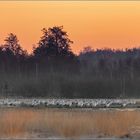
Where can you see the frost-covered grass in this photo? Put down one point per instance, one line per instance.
(22, 122)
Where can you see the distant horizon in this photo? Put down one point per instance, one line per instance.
(108, 24)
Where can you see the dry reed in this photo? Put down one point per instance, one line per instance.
(68, 123)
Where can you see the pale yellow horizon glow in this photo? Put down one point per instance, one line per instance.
(100, 24)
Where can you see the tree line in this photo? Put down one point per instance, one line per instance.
(53, 48)
(53, 70)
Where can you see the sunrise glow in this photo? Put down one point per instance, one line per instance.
(113, 24)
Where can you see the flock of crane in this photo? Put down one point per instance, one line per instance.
(71, 103)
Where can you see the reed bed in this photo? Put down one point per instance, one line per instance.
(29, 122)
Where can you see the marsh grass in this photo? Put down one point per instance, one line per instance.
(68, 123)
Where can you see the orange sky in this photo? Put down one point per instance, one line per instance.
(99, 24)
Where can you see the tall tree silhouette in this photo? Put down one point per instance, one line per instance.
(53, 43)
(12, 44)
(12, 55)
